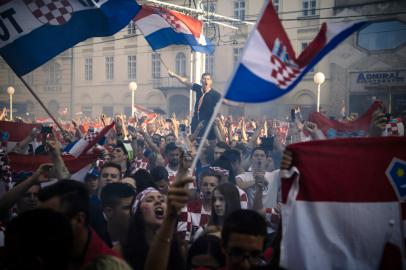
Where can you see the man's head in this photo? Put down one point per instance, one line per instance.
(160, 178)
(234, 157)
(206, 82)
(92, 182)
(29, 200)
(259, 158)
(70, 198)
(170, 138)
(38, 239)
(110, 173)
(117, 200)
(120, 154)
(208, 182)
(172, 153)
(219, 149)
(243, 238)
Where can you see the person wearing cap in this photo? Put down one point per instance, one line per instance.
(92, 181)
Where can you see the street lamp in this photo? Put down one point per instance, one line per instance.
(10, 91)
(132, 86)
(319, 79)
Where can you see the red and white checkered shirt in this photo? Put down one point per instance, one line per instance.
(243, 198)
(192, 217)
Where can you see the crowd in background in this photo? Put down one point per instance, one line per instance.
(142, 206)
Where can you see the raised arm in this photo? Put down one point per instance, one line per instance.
(182, 80)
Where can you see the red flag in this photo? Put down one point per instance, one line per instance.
(334, 128)
(343, 209)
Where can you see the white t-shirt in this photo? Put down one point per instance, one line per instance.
(269, 193)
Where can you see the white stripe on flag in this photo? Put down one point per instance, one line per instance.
(81, 174)
(151, 24)
(78, 148)
(326, 235)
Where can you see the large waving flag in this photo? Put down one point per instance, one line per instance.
(163, 27)
(269, 61)
(346, 208)
(34, 31)
(14, 132)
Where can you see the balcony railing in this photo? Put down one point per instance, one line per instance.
(164, 83)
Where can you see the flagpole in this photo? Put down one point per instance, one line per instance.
(223, 93)
(40, 102)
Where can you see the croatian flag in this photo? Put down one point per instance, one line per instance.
(163, 27)
(34, 31)
(269, 61)
(345, 209)
(83, 145)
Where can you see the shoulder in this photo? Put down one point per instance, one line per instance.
(244, 176)
(196, 87)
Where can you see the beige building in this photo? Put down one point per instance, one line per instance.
(356, 72)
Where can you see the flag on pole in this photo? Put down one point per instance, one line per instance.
(162, 27)
(345, 209)
(269, 61)
(34, 31)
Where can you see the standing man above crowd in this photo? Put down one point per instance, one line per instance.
(206, 100)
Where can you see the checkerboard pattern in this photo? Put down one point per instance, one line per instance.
(175, 23)
(5, 169)
(282, 73)
(91, 136)
(53, 12)
(191, 218)
(395, 129)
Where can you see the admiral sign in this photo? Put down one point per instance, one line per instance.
(361, 81)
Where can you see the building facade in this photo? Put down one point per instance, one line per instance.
(369, 65)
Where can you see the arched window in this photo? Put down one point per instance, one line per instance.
(181, 64)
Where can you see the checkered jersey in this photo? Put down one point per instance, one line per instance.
(139, 163)
(395, 129)
(192, 217)
(243, 198)
(53, 12)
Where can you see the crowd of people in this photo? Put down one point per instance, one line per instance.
(143, 206)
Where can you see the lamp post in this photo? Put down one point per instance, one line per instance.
(319, 79)
(132, 86)
(10, 91)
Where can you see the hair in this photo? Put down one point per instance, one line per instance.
(135, 248)
(170, 134)
(209, 173)
(243, 221)
(159, 173)
(73, 195)
(113, 192)
(22, 177)
(111, 165)
(209, 155)
(222, 145)
(224, 163)
(206, 74)
(232, 200)
(143, 180)
(170, 147)
(38, 239)
(259, 148)
(206, 245)
(121, 145)
(107, 262)
(232, 155)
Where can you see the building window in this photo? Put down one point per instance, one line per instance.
(239, 9)
(88, 69)
(308, 7)
(87, 110)
(209, 64)
(53, 74)
(156, 66)
(110, 68)
(385, 35)
(131, 28)
(132, 67)
(276, 4)
(303, 46)
(108, 110)
(236, 55)
(181, 64)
